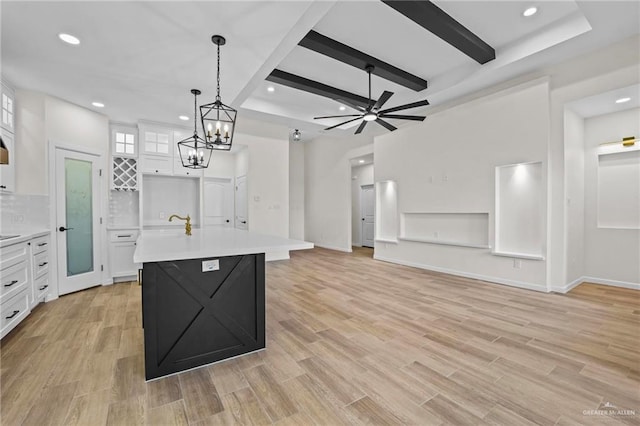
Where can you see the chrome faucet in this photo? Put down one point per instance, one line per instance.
(187, 226)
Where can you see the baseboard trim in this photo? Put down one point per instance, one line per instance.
(496, 280)
(613, 283)
(567, 288)
(329, 247)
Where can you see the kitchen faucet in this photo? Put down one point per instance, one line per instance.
(187, 226)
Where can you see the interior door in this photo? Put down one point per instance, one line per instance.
(241, 203)
(218, 202)
(368, 212)
(78, 220)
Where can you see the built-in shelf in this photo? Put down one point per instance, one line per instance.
(445, 243)
(518, 255)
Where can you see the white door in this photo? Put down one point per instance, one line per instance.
(218, 202)
(241, 203)
(78, 220)
(368, 215)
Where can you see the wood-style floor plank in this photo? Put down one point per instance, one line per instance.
(350, 341)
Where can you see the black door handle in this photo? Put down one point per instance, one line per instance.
(363, 218)
(227, 220)
(13, 314)
(62, 229)
(11, 283)
(244, 221)
(43, 287)
(3, 187)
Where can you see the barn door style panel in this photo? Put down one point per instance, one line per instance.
(192, 318)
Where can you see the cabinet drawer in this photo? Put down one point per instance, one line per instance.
(40, 244)
(13, 311)
(40, 264)
(156, 164)
(123, 236)
(12, 255)
(13, 280)
(41, 288)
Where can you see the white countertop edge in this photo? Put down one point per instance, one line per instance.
(205, 254)
(25, 235)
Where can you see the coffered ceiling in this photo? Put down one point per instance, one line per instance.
(141, 58)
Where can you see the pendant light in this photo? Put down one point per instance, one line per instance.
(218, 119)
(195, 152)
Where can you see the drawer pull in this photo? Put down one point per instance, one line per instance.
(124, 236)
(11, 283)
(42, 244)
(43, 264)
(12, 315)
(43, 287)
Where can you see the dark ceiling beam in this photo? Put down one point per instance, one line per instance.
(431, 17)
(350, 56)
(311, 86)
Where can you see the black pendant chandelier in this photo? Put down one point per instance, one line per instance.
(218, 119)
(195, 152)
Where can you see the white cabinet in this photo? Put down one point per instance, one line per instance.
(156, 152)
(124, 140)
(8, 171)
(8, 108)
(24, 280)
(122, 244)
(39, 269)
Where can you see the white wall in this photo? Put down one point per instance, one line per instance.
(31, 143)
(296, 190)
(360, 175)
(574, 183)
(222, 165)
(328, 189)
(447, 163)
(610, 254)
(266, 164)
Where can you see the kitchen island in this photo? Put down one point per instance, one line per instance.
(203, 296)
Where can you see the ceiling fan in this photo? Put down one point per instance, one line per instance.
(373, 112)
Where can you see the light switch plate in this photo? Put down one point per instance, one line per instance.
(210, 265)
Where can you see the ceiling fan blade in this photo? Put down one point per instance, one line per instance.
(403, 117)
(337, 116)
(382, 100)
(385, 124)
(361, 127)
(406, 106)
(345, 122)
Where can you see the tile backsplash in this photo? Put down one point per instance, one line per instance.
(23, 210)
(124, 208)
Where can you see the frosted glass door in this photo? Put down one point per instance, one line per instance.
(79, 214)
(77, 204)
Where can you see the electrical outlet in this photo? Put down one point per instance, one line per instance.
(210, 265)
(517, 263)
(18, 218)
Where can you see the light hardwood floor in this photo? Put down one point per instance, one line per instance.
(349, 341)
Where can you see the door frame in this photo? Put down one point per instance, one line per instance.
(53, 222)
(362, 188)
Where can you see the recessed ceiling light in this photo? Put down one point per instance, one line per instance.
(360, 161)
(342, 108)
(271, 89)
(530, 11)
(183, 118)
(622, 100)
(68, 38)
(97, 104)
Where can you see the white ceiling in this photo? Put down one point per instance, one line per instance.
(605, 103)
(142, 58)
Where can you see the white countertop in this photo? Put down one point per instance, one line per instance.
(24, 234)
(163, 245)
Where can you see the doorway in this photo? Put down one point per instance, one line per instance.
(77, 203)
(241, 203)
(218, 202)
(368, 215)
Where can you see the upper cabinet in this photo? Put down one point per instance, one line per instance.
(156, 151)
(8, 108)
(124, 140)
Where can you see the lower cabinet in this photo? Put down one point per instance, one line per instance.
(24, 282)
(122, 244)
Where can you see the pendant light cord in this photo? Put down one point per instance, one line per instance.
(218, 88)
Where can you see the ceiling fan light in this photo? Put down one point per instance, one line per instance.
(370, 116)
